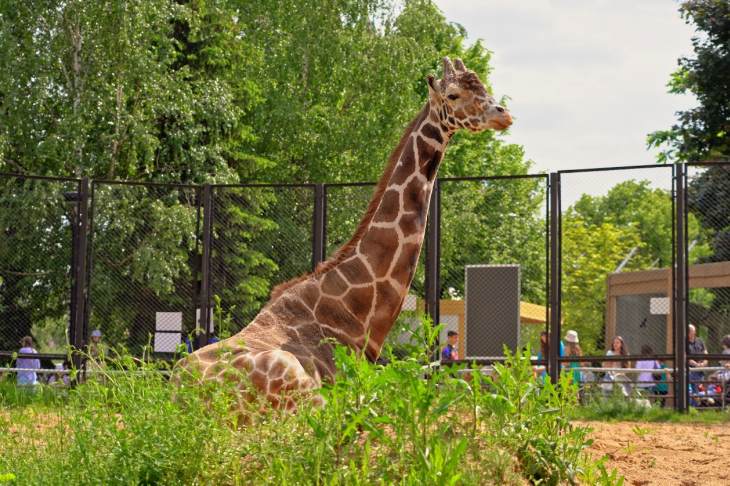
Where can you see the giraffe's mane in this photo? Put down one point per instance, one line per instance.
(346, 250)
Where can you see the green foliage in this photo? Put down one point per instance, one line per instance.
(402, 423)
(215, 91)
(590, 252)
(701, 133)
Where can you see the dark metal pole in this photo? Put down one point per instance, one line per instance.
(555, 269)
(433, 250)
(202, 338)
(318, 225)
(680, 292)
(81, 224)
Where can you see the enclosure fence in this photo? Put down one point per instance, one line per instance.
(609, 273)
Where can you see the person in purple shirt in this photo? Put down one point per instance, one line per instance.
(449, 352)
(28, 377)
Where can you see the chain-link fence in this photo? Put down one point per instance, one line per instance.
(617, 260)
(36, 249)
(708, 283)
(144, 263)
(612, 251)
(261, 236)
(493, 262)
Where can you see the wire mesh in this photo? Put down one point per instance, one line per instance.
(35, 261)
(494, 223)
(144, 256)
(708, 220)
(617, 254)
(262, 236)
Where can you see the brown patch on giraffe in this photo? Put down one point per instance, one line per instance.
(277, 369)
(355, 271)
(258, 379)
(414, 196)
(425, 151)
(406, 264)
(432, 132)
(359, 300)
(292, 309)
(333, 313)
(407, 165)
(333, 284)
(309, 293)
(411, 223)
(387, 304)
(460, 114)
(429, 169)
(378, 246)
(389, 207)
(275, 385)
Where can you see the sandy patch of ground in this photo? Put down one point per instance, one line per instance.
(660, 453)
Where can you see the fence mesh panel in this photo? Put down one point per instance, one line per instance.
(708, 202)
(491, 224)
(35, 261)
(262, 236)
(144, 262)
(617, 253)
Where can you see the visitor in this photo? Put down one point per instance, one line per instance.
(449, 353)
(27, 376)
(614, 375)
(618, 348)
(544, 353)
(647, 379)
(572, 348)
(97, 348)
(60, 377)
(695, 345)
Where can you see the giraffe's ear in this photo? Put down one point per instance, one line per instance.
(434, 90)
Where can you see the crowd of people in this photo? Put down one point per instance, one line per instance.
(650, 376)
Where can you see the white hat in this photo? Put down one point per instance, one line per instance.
(571, 337)
(96, 333)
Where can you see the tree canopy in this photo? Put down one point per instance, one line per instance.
(217, 91)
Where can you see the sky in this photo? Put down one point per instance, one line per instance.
(586, 78)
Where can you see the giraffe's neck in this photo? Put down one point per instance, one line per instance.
(392, 235)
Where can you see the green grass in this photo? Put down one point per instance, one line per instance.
(381, 425)
(619, 408)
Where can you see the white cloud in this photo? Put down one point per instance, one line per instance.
(587, 79)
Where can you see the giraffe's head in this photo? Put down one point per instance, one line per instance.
(461, 100)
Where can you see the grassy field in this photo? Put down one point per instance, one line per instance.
(381, 425)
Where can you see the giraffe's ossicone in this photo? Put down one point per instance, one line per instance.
(355, 296)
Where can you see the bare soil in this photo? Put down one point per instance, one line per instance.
(664, 453)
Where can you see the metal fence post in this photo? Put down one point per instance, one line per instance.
(319, 225)
(202, 338)
(680, 291)
(433, 250)
(80, 236)
(555, 274)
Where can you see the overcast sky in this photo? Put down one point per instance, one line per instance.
(587, 78)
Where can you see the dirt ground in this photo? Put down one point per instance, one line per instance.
(666, 454)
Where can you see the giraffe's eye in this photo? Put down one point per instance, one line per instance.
(453, 97)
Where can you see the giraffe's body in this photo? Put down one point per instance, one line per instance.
(356, 295)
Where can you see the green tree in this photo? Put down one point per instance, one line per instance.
(589, 253)
(701, 133)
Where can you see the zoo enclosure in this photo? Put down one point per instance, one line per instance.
(139, 260)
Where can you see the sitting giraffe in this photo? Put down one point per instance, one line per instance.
(355, 296)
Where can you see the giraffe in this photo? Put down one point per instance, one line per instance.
(355, 296)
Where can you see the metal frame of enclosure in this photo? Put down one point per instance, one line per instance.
(206, 203)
